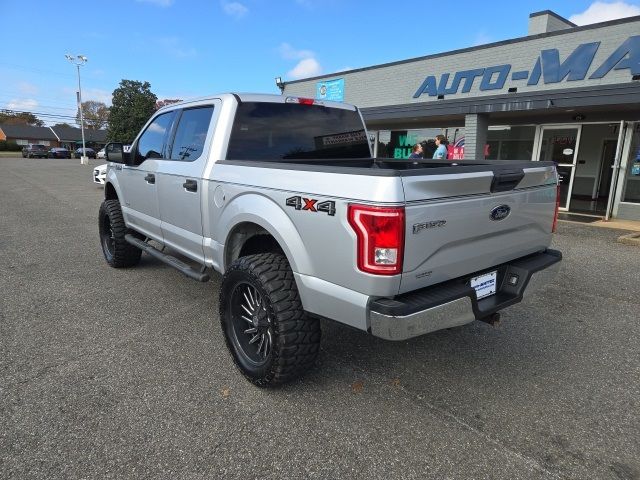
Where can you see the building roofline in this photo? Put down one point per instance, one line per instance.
(556, 100)
(54, 132)
(553, 14)
(592, 26)
(30, 131)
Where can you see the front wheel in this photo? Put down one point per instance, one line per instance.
(117, 251)
(270, 337)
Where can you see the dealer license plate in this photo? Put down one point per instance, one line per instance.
(485, 285)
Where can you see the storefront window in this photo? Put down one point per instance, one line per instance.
(632, 187)
(511, 143)
(503, 143)
(398, 143)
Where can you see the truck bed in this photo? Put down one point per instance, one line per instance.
(449, 231)
(390, 167)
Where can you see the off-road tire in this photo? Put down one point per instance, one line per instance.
(294, 337)
(117, 251)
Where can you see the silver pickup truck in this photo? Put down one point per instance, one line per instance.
(282, 196)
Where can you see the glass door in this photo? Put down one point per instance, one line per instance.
(559, 144)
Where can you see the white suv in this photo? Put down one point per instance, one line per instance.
(100, 174)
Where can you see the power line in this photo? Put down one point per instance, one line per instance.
(38, 114)
(45, 107)
(12, 94)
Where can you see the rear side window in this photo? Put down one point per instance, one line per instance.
(153, 141)
(289, 131)
(191, 134)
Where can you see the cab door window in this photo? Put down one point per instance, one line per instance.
(153, 142)
(191, 133)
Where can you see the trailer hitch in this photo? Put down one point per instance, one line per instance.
(493, 319)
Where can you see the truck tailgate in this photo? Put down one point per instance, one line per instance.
(458, 224)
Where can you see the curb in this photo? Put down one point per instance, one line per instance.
(630, 239)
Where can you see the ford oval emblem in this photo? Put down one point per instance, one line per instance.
(500, 212)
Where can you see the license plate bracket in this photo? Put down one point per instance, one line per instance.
(485, 284)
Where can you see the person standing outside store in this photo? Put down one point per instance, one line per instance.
(441, 150)
(416, 151)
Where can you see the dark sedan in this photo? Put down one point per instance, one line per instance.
(89, 152)
(58, 153)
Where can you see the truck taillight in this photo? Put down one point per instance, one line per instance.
(554, 226)
(380, 233)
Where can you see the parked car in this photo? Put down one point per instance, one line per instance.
(100, 174)
(101, 154)
(34, 150)
(58, 153)
(89, 152)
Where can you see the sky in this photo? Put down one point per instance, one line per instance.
(191, 48)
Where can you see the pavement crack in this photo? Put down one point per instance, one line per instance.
(533, 463)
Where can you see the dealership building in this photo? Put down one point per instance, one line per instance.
(564, 93)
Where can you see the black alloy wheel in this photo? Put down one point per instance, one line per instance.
(107, 237)
(117, 251)
(269, 335)
(252, 327)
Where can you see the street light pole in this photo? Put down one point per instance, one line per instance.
(78, 61)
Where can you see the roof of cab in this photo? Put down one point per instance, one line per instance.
(253, 97)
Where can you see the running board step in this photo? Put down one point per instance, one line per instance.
(168, 259)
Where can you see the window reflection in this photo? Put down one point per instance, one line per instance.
(632, 186)
(191, 134)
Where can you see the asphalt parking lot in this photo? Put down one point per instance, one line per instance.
(110, 373)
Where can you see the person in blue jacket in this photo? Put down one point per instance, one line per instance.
(416, 151)
(441, 151)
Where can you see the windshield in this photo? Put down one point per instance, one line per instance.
(289, 131)
(38, 147)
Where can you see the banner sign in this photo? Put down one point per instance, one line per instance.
(456, 151)
(332, 90)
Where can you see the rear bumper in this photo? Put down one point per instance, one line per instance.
(454, 303)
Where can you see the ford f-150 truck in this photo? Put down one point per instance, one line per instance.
(282, 196)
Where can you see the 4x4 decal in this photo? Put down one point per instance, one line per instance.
(312, 205)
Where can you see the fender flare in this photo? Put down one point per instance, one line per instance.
(273, 219)
(112, 179)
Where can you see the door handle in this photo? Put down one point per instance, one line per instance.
(190, 186)
(150, 178)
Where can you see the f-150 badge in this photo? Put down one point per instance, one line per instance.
(418, 227)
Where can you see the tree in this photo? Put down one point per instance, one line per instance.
(96, 114)
(133, 104)
(10, 117)
(62, 125)
(165, 102)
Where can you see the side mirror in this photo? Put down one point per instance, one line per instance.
(115, 152)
